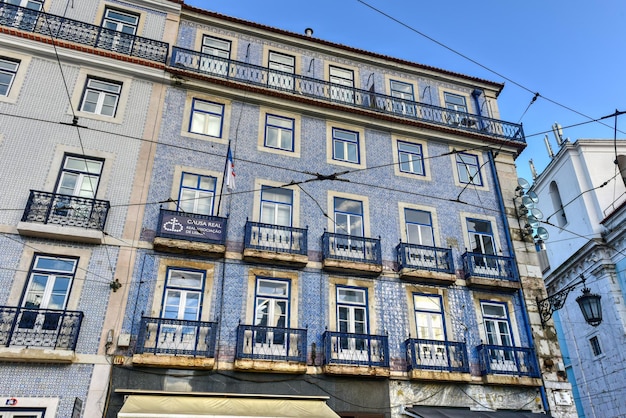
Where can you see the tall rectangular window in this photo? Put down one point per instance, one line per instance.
(410, 158)
(498, 332)
(468, 169)
(403, 92)
(8, 70)
(279, 132)
(342, 84)
(345, 146)
(352, 318)
(429, 317)
(215, 47)
(50, 281)
(79, 176)
(348, 216)
(101, 97)
(206, 118)
(280, 65)
(276, 206)
(481, 237)
(595, 346)
(419, 227)
(196, 194)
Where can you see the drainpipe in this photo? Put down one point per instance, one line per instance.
(509, 243)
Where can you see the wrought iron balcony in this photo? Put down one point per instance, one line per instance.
(356, 349)
(516, 361)
(268, 237)
(66, 210)
(323, 90)
(82, 33)
(39, 328)
(444, 356)
(489, 266)
(271, 343)
(191, 227)
(422, 257)
(176, 337)
(351, 248)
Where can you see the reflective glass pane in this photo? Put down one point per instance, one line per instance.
(183, 278)
(55, 264)
(274, 288)
(348, 206)
(351, 295)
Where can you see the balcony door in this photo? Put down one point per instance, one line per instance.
(182, 301)
(271, 317)
(24, 18)
(196, 194)
(404, 98)
(498, 332)
(341, 84)
(352, 318)
(349, 221)
(419, 231)
(217, 54)
(122, 28)
(276, 209)
(429, 321)
(280, 66)
(79, 177)
(482, 242)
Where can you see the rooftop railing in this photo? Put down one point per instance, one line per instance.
(351, 248)
(516, 361)
(445, 356)
(66, 210)
(177, 337)
(356, 349)
(271, 343)
(268, 237)
(323, 90)
(489, 266)
(423, 257)
(82, 33)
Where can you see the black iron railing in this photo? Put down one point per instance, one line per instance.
(446, 356)
(176, 337)
(271, 343)
(351, 248)
(423, 257)
(489, 266)
(356, 349)
(82, 33)
(39, 328)
(324, 90)
(191, 227)
(517, 361)
(66, 210)
(284, 239)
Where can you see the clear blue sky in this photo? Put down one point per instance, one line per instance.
(570, 52)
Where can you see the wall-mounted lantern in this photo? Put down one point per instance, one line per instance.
(589, 304)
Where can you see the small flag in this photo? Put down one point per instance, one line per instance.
(230, 172)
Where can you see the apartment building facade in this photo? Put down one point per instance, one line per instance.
(292, 225)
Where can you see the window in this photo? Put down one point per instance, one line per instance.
(557, 204)
(101, 97)
(348, 216)
(283, 64)
(49, 283)
(429, 317)
(419, 227)
(498, 332)
(79, 176)
(196, 194)
(344, 78)
(8, 69)
(468, 169)
(29, 4)
(455, 102)
(215, 47)
(24, 18)
(271, 310)
(206, 118)
(595, 346)
(346, 146)
(276, 206)
(410, 158)
(352, 318)
(404, 93)
(481, 237)
(279, 132)
(119, 21)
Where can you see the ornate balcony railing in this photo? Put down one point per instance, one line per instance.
(82, 33)
(356, 349)
(66, 210)
(268, 237)
(324, 90)
(422, 257)
(351, 248)
(445, 356)
(271, 343)
(191, 227)
(39, 328)
(517, 361)
(176, 337)
(489, 266)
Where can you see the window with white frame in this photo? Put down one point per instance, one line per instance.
(196, 194)
(481, 237)
(206, 118)
(50, 281)
(419, 227)
(271, 309)
(342, 84)
(455, 102)
(24, 18)
(279, 132)
(280, 65)
(8, 70)
(215, 47)
(348, 216)
(120, 21)
(429, 317)
(29, 4)
(403, 92)
(595, 346)
(497, 328)
(411, 158)
(101, 97)
(276, 206)
(468, 169)
(346, 145)
(352, 317)
(79, 176)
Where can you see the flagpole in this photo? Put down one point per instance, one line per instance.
(224, 175)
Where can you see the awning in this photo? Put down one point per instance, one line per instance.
(446, 412)
(146, 406)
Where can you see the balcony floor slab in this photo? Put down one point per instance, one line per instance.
(62, 233)
(501, 379)
(179, 246)
(269, 366)
(435, 375)
(174, 362)
(352, 370)
(36, 355)
(275, 257)
(414, 274)
(492, 284)
(344, 266)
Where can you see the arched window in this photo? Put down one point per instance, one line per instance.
(559, 212)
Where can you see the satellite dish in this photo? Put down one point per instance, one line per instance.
(523, 183)
(542, 233)
(533, 222)
(533, 196)
(536, 213)
(527, 202)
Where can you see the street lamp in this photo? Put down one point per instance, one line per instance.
(589, 304)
